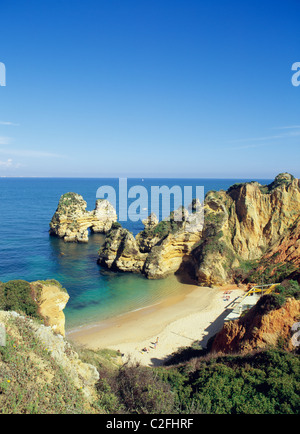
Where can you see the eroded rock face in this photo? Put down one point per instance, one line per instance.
(83, 375)
(242, 223)
(157, 251)
(51, 300)
(71, 220)
(121, 252)
(283, 257)
(248, 222)
(257, 330)
(105, 215)
(167, 257)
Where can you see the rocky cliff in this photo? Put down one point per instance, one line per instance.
(261, 327)
(245, 222)
(71, 220)
(282, 259)
(157, 251)
(51, 299)
(121, 251)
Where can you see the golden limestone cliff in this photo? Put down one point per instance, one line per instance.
(121, 251)
(51, 300)
(157, 251)
(243, 225)
(282, 259)
(71, 220)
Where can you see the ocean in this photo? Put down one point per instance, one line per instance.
(28, 252)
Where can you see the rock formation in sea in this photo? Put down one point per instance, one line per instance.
(157, 251)
(71, 220)
(248, 228)
(121, 251)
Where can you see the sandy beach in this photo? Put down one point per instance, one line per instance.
(173, 323)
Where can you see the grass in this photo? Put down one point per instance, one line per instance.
(31, 382)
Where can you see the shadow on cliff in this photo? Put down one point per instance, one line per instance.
(186, 272)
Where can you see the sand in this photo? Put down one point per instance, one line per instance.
(176, 322)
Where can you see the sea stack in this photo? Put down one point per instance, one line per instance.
(71, 220)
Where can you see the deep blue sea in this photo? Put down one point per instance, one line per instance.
(28, 252)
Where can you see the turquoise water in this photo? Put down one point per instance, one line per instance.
(28, 252)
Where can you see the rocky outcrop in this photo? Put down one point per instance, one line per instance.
(242, 224)
(168, 256)
(43, 300)
(282, 260)
(121, 251)
(258, 329)
(157, 251)
(51, 299)
(71, 220)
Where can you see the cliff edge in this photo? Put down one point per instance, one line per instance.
(44, 300)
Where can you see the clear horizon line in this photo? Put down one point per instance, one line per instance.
(128, 177)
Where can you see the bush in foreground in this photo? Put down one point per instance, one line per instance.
(266, 382)
(16, 295)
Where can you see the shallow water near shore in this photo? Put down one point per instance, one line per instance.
(28, 252)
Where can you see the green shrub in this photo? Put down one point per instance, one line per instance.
(264, 382)
(25, 367)
(143, 392)
(135, 390)
(17, 295)
(289, 288)
(116, 225)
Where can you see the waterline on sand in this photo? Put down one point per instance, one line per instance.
(176, 322)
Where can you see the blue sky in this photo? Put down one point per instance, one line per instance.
(160, 88)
